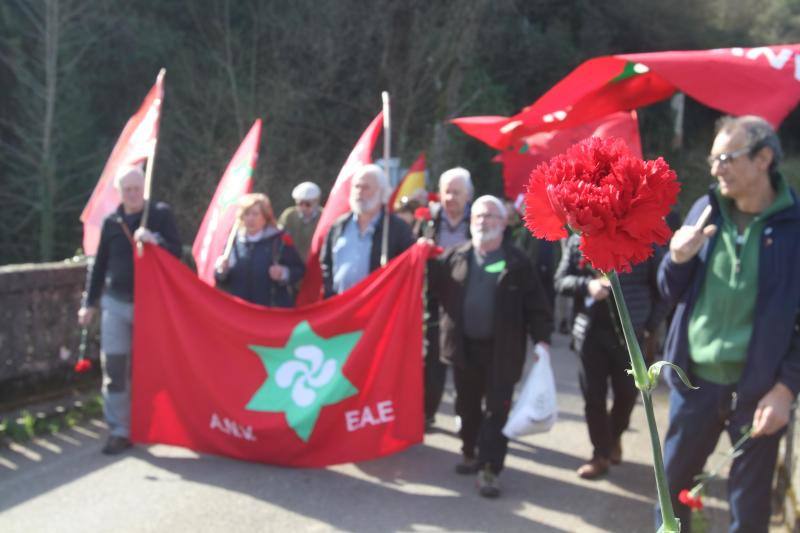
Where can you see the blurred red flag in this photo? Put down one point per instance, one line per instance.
(336, 382)
(134, 146)
(762, 81)
(221, 214)
(336, 205)
(540, 147)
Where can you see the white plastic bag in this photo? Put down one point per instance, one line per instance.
(535, 410)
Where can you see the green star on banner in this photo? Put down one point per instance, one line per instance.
(304, 376)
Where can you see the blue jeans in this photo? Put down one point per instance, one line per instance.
(696, 420)
(115, 356)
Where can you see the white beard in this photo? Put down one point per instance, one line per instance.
(479, 235)
(360, 207)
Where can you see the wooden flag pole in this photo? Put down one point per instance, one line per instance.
(231, 239)
(148, 175)
(387, 143)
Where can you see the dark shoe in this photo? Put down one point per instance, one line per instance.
(615, 457)
(467, 466)
(488, 486)
(594, 468)
(115, 445)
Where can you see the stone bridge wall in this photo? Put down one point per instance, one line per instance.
(39, 334)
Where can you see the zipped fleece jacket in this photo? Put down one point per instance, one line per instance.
(773, 353)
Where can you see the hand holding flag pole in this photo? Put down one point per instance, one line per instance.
(148, 175)
(387, 143)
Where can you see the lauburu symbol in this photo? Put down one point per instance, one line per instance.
(308, 372)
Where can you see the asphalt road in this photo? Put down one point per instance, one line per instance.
(63, 484)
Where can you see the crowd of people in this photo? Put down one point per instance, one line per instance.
(730, 275)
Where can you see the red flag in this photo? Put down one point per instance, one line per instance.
(540, 147)
(340, 381)
(763, 81)
(135, 145)
(411, 182)
(221, 214)
(337, 205)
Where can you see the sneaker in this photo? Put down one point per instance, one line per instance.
(115, 445)
(488, 486)
(594, 468)
(615, 457)
(467, 466)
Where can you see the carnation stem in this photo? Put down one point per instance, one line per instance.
(642, 379)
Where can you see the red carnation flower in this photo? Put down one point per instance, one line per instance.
(433, 196)
(422, 213)
(616, 201)
(287, 239)
(83, 365)
(692, 502)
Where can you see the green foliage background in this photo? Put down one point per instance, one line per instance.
(71, 73)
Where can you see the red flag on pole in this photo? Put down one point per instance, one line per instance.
(134, 146)
(337, 382)
(413, 180)
(221, 214)
(762, 81)
(336, 205)
(540, 147)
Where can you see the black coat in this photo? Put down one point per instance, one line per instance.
(112, 269)
(430, 230)
(249, 278)
(400, 238)
(521, 308)
(640, 288)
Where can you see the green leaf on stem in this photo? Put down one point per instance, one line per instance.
(655, 370)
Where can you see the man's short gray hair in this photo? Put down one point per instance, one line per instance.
(125, 171)
(457, 173)
(380, 176)
(759, 134)
(492, 200)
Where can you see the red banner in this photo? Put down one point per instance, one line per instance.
(220, 217)
(762, 81)
(540, 147)
(338, 203)
(135, 145)
(339, 381)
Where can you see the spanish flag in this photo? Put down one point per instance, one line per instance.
(411, 182)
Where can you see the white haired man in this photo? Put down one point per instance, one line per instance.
(109, 283)
(300, 220)
(352, 247)
(449, 226)
(490, 300)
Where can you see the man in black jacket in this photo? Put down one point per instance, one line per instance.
(109, 283)
(490, 300)
(598, 339)
(352, 247)
(448, 227)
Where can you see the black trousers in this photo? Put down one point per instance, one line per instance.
(435, 373)
(482, 401)
(604, 359)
